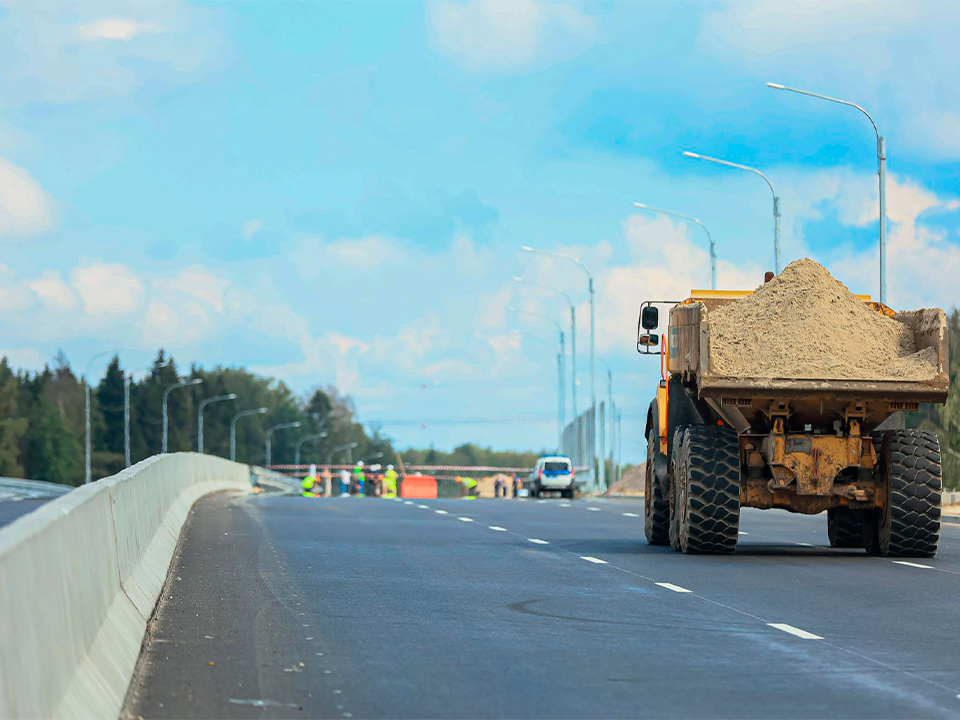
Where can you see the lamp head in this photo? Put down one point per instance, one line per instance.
(776, 86)
(687, 153)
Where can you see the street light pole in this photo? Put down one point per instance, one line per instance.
(561, 410)
(233, 428)
(573, 333)
(593, 348)
(561, 358)
(337, 449)
(881, 173)
(301, 441)
(713, 247)
(203, 404)
(183, 383)
(776, 199)
(281, 426)
(86, 413)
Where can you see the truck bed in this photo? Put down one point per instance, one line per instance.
(820, 398)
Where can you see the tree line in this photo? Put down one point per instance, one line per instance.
(42, 419)
(945, 419)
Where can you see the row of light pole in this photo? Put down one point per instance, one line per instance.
(881, 174)
(600, 469)
(128, 377)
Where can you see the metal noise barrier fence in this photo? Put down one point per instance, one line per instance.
(80, 577)
(578, 444)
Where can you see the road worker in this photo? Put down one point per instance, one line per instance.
(344, 483)
(468, 488)
(310, 484)
(390, 482)
(358, 478)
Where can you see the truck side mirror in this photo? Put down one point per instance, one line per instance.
(649, 340)
(650, 317)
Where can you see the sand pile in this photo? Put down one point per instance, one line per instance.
(805, 324)
(630, 484)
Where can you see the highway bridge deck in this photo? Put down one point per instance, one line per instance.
(279, 606)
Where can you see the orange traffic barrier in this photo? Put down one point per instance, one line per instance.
(423, 487)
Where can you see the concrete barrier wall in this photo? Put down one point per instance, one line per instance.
(79, 579)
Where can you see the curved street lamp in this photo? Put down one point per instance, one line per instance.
(691, 218)
(348, 446)
(881, 172)
(776, 199)
(233, 428)
(182, 383)
(573, 333)
(281, 426)
(301, 441)
(203, 404)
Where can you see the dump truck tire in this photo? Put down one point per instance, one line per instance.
(708, 498)
(845, 527)
(656, 507)
(675, 480)
(911, 479)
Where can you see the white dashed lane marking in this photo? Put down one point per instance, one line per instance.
(440, 512)
(423, 507)
(795, 631)
(407, 502)
(538, 541)
(497, 528)
(675, 588)
(465, 519)
(912, 564)
(742, 533)
(804, 544)
(630, 515)
(598, 561)
(593, 509)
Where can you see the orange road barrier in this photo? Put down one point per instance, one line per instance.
(423, 487)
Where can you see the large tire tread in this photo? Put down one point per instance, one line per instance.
(914, 481)
(710, 521)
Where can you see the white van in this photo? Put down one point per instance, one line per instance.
(552, 473)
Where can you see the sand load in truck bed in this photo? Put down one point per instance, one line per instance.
(805, 324)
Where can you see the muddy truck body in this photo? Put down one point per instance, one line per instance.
(716, 444)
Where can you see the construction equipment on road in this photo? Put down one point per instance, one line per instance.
(806, 443)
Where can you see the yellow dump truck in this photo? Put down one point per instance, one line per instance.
(716, 444)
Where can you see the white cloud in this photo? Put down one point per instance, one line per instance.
(53, 292)
(115, 28)
(106, 51)
(25, 207)
(505, 34)
(107, 290)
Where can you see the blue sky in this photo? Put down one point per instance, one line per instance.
(337, 192)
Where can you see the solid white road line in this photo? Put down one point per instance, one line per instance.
(423, 507)
(795, 631)
(598, 561)
(537, 541)
(497, 528)
(675, 588)
(912, 564)
(594, 509)
(465, 519)
(440, 512)
(630, 515)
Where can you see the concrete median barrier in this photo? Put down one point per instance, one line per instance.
(80, 577)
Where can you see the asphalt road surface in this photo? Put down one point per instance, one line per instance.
(12, 509)
(281, 606)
